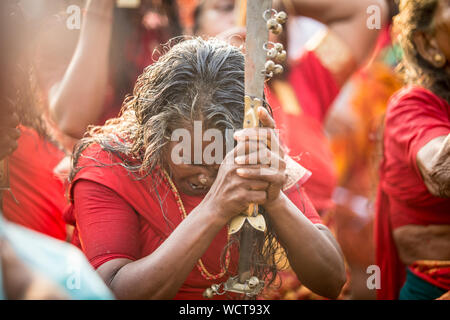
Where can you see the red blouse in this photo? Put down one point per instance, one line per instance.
(414, 117)
(117, 216)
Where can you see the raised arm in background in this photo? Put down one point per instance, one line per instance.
(74, 109)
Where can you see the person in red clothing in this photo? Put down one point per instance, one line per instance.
(412, 219)
(303, 95)
(32, 195)
(156, 227)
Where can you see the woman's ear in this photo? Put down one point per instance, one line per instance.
(428, 48)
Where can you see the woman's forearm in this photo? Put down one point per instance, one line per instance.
(77, 100)
(313, 256)
(161, 274)
(415, 242)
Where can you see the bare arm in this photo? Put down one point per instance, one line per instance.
(348, 20)
(77, 100)
(433, 161)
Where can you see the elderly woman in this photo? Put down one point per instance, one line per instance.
(413, 220)
(155, 227)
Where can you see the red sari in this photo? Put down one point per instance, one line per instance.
(117, 216)
(55, 48)
(414, 117)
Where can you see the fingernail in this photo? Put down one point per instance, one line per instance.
(241, 171)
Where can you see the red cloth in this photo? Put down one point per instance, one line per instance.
(315, 88)
(414, 117)
(40, 194)
(117, 216)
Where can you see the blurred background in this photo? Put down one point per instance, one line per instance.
(81, 71)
